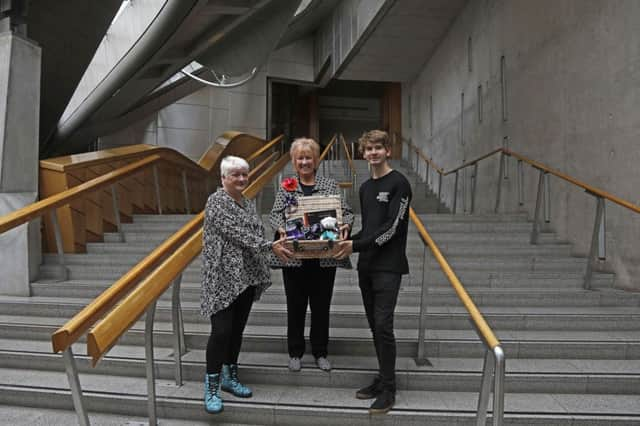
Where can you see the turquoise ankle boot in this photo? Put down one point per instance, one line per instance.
(212, 401)
(231, 384)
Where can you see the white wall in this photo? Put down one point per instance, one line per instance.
(572, 94)
(192, 123)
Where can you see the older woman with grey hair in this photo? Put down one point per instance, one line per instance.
(308, 282)
(234, 273)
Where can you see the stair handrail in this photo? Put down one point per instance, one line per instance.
(495, 370)
(349, 167)
(42, 207)
(597, 249)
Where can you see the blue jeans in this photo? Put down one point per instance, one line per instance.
(379, 296)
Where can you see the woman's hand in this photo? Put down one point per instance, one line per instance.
(281, 251)
(282, 232)
(344, 231)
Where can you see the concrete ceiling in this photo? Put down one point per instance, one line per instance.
(403, 41)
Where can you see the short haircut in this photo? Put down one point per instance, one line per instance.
(305, 143)
(374, 136)
(231, 162)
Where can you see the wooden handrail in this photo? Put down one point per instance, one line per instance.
(107, 331)
(252, 190)
(328, 147)
(346, 150)
(66, 335)
(591, 189)
(595, 191)
(480, 323)
(264, 148)
(474, 161)
(41, 207)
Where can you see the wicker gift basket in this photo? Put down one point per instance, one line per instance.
(309, 211)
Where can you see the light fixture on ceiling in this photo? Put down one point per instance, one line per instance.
(197, 71)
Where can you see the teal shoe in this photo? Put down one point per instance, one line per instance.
(231, 384)
(212, 401)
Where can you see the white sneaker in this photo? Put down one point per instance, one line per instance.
(294, 364)
(323, 363)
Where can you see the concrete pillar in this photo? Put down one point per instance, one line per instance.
(20, 252)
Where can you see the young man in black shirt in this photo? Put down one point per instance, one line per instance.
(382, 242)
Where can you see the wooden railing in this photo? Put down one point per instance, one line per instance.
(597, 248)
(494, 350)
(176, 184)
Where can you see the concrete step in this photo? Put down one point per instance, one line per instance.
(544, 344)
(447, 374)
(352, 316)
(408, 296)
(283, 405)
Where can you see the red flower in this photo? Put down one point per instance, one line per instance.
(289, 184)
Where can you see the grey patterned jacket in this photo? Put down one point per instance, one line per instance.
(234, 252)
(323, 186)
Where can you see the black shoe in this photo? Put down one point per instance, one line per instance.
(371, 391)
(383, 403)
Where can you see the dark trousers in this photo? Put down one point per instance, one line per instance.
(309, 285)
(379, 296)
(227, 327)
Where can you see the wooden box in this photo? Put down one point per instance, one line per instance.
(312, 249)
(311, 210)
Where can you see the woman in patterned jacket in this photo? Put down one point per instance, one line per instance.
(308, 282)
(234, 274)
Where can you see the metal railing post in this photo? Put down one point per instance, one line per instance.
(595, 237)
(520, 178)
(485, 389)
(185, 188)
(455, 193)
(176, 321)
(116, 210)
(536, 217)
(74, 385)
(474, 184)
(498, 386)
(148, 350)
(547, 199)
(426, 175)
(439, 192)
(156, 182)
(64, 273)
(500, 177)
(421, 358)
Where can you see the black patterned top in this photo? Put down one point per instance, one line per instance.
(323, 186)
(234, 252)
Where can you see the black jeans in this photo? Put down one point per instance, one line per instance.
(379, 296)
(309, 285)
(227, 327)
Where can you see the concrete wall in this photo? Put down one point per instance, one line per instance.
(192, 123)
(339, 34)
(572, 84)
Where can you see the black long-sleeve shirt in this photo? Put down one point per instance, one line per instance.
(382, 241)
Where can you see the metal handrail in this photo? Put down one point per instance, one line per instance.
(597, 249)
(491, 371)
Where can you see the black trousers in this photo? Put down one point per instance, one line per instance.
(227, 327)
(309, 285)
(379, 296)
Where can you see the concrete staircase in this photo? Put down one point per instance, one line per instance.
(573, 356)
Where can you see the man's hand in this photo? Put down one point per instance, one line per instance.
(344, 231)
(345, 248)
(281, 251)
